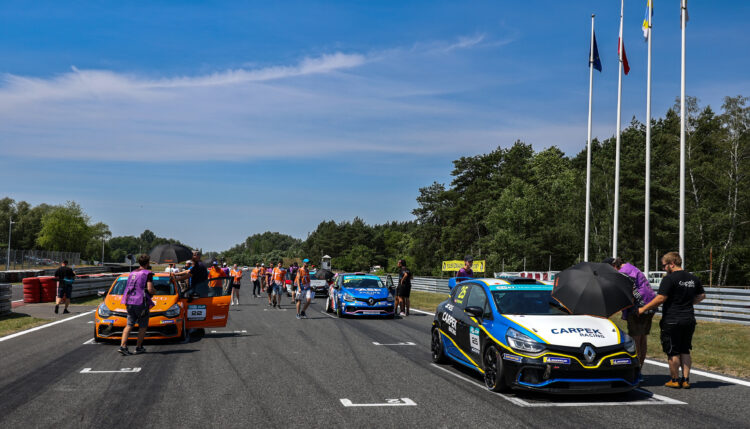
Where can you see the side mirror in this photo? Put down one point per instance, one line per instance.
(101, 293)
(474, 311)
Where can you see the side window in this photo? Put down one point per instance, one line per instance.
(478, 298)
(460, 295)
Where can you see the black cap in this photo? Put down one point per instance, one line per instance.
(609, 261)
(468, 258)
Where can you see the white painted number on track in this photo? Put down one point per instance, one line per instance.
(403, 402)
(229, 332)
(408, 343)
(121, 370)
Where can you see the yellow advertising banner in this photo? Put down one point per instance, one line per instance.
(478, 266)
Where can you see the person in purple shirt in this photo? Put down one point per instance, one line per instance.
(137, 299)
(466, 272)
(639, 326)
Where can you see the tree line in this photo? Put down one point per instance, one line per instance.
(516, 207)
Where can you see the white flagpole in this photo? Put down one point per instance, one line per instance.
(588, 146)
(647, 226)
(683, 15)
(617, 140)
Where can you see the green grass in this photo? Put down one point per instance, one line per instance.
(720, 347)
(15, 322)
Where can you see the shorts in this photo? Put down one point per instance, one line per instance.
(269, 290)
(276, 289)
(639, 325)
(306, 293)
(137, 314)
(64, 291)
(236, 285)
(677, 338)
(403, 291)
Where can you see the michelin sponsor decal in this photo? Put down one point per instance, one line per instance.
(474, 339)
(512, 358)
(583, 332)
(621, 361)
(557, 360)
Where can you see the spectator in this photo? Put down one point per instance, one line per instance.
(255, 278)
(236, 274)
(639, 325)
(403, 291)
(137, 300)
(65, 278)
(679, 291)
(304, 292)
(466, 272)
(279, 273)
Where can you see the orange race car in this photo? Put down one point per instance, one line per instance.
(199, 306)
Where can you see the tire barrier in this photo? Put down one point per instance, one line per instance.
(32, 290)
(48, 288)
(5, 295)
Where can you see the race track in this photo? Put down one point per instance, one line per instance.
(268, 369)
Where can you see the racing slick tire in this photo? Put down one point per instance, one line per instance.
(97, 339)
(436, 346)
(329, 307)
(184, 335)
(494, 374)
(339, 313)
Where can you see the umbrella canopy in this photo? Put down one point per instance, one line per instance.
(170, 254)
(594, 289)
(323, 274)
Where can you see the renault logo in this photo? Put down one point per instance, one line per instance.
(371, 301)
(589, 354)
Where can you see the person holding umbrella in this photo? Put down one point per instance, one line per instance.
(639, 325)
(679, 291)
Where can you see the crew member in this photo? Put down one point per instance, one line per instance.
(278, 284)
(403, 291)
(137, 299)
(216, 273)
(466, 272)
(255, 279)
(65, 278)
(236, 274)
(302, 282)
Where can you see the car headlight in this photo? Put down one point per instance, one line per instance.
(104, 311)
(628, 343)
(348, 297)
(390, 298)
(521, 342)
(173, 311)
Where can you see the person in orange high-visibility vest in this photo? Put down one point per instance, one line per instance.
(279, 273)
(254, 277)
(236, 274)
(213, 273)
(302, 282)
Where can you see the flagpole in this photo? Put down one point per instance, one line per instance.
(647, 222)
(617, 140)
(683, 16)
(588, 146)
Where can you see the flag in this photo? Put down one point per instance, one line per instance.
(624, 57)
(646, 19)
(595, 58)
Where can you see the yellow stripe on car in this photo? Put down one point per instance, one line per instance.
(462, 352)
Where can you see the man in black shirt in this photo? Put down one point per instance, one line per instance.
(65, 277)
(403, 291)
(197, 273)
(679, 291)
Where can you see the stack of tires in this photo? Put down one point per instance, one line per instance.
(31, 290)
(49, 288)
(5, 294)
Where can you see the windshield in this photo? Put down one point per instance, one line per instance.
(535, 302)
(162, 285)
(363, 282)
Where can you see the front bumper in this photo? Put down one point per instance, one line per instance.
(537, 375)
(159, 327)
(357, 308)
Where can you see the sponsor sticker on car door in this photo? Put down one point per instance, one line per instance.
(196, 312)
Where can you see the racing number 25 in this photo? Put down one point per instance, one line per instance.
(462, 294)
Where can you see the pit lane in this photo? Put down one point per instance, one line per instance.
(284, 372)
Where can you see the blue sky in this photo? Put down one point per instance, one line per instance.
(210, 121)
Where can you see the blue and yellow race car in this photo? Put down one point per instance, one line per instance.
(359, 294)
(514, 333)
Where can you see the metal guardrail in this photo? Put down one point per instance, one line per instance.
(91, 286)
(724, 305)
(5, 294)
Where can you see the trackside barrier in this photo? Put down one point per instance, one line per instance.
(5, 294)
(724, 305)
(92, 285)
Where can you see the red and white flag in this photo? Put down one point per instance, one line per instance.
(623, 57)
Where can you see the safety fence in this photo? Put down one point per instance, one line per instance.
(23, 259)
(724, 305)
(5, 294)
(15, 276)
(44, 288)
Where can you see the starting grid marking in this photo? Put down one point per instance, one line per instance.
(121, 370)
(652, 400)
(229, 332)
(408, 343)
(402, 402)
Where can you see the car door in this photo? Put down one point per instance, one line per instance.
(206, 307)
(468, 328)
(448, 320)
(389, 284)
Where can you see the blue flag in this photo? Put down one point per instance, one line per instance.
(596, 61)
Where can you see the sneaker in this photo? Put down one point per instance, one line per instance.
(674, 384)
(685, 382)
(123, 351)
(57, 309)
(139, 350)
(402, 314)
(298, 316)
(66, 311)
(304, 315)
(231, 303)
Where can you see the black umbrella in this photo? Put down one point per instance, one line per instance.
(594, 289)
(170, 254)
(323, 274)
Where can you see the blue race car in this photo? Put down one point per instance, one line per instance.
(359, 294)
(514, 333)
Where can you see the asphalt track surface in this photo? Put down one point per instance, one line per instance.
(268, 369)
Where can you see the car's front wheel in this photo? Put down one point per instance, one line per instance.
(97, 338)
(438, 352)
(339, 313)
(329, 306)
(494, 374)
(183, 335)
